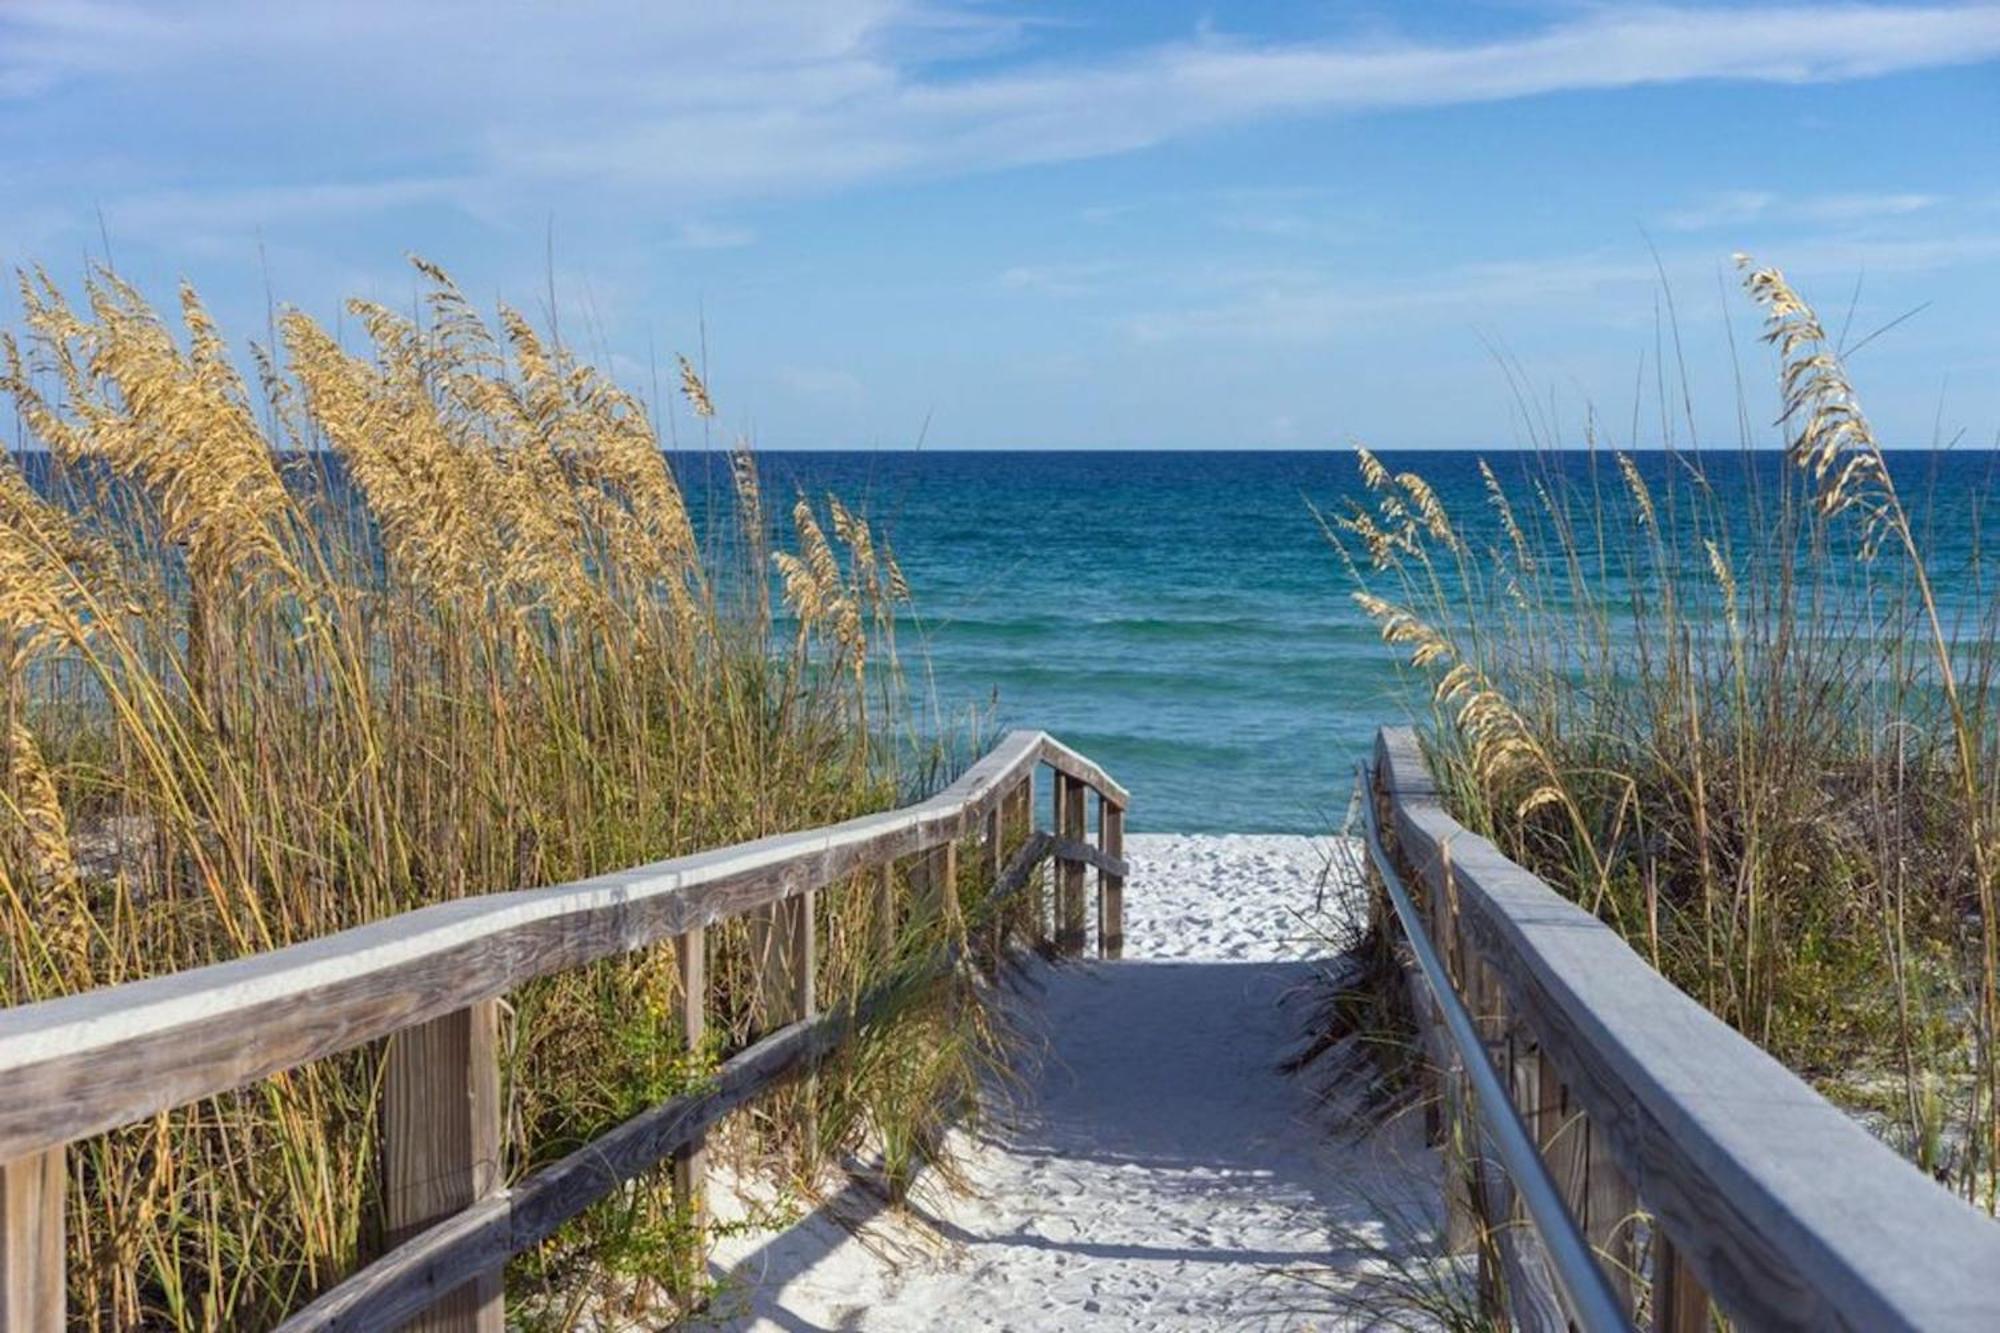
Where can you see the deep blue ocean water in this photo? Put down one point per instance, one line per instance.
(1179, 616)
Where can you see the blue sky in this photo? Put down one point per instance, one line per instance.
(997, 226)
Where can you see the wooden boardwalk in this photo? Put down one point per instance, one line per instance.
(1157, 1169)
(1612, 1152)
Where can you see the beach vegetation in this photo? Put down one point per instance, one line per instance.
(416, 610)
(1748, 716)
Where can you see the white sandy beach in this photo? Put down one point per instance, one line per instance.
(1157, 1171)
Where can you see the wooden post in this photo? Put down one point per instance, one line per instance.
(944, 877)
(782, 945)
(1609, 1207)
(994, 931)
(32, 1289)
(441, 1144)
(691, 1162)
(1564, 1137)
(885, 913)
(1072, 925)
(1484, 1181)
(1036, 901)
(1679, 1303)
(1110, 887)
(1038, 905)
(996, 860)
(1431, 1068)
(1457, 1133)
(1016, 822)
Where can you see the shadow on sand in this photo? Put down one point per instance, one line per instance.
(1154, 1143)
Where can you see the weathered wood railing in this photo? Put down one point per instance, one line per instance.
(428, 983)
(1760, 1200)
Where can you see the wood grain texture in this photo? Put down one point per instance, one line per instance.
(32, 1290)
(86, 1063)
(1789, 1213)
(944, 883)
(477, 1239)
(1059, 869)
(441, 1146)
(1110, 884)
(1071, 910)
(993, 933)
(781, 942)
(883, 879)
(691, 1162)
(1679, 1303)
(1610, 1216)
(1563, 1136)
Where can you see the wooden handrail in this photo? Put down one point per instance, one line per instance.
(400, 1283)
(87, 1063)
(1773, 1201)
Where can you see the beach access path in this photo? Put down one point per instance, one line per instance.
(1155, 1169)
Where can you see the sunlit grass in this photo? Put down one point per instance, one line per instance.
(396, 624)
(1743, 729)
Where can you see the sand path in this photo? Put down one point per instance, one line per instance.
(1158, 1172)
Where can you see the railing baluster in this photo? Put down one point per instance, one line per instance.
(993, 933)
(441, 1144)
(32, 1289)
(1072, 922)
(1564, 1135)
(691, 1163)
(782, 943)
(1110, 887)
(885, 912)
(1039, 906)
(995, 857)
(1679, 1303)
(1461, 1156)
(944, 865)
(1609, 1206)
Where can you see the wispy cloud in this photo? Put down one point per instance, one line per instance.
(695, 108)
(1725, 209)
(1072, 279)
(1741, 207)
(185, 209)
(1313, 303)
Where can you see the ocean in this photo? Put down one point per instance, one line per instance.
(1179, 617)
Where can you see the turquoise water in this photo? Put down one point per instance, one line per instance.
(1178, 616)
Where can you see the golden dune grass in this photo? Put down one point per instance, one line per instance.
(1764, 753)
(397, 623)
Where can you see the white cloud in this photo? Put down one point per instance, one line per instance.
(1726, 209)
(688, 108)
(1307, 303)
(1743, 207)
(185, 209)
(1056, 279)
(1862, 207)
